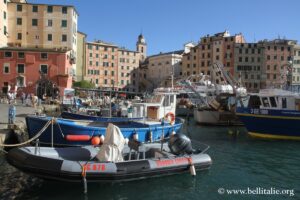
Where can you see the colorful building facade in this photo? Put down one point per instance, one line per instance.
(31, 69)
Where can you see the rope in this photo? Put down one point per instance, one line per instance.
(60, 129)
(32, 139)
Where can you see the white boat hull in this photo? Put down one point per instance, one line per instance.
(212, 117)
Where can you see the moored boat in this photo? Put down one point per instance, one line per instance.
(76, 116)
(272, 113)
(113, 161)
(79, 132)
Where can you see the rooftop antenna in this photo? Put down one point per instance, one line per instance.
(254, 38)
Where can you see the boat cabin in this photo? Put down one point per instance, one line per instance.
(274, 99)
(156, 107)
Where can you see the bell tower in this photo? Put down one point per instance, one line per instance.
(141, 46)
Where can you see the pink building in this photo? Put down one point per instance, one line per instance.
(35, 70)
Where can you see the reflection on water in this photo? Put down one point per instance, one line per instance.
(238, 162)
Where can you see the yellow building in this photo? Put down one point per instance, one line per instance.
(3, 23)
(80, 61)
(110, 66)
(42, 26)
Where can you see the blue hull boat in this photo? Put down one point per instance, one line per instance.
(69, 115)
(79, 132)
(271, 113)
(273, 124)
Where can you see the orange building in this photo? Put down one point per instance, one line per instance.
(211, 49)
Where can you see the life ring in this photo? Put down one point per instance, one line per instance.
(172, 115)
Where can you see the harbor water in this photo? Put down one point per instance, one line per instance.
(241, 164)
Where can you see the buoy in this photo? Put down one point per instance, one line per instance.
(78, 137)
(96, 140)
(170, 117)
(192, 167)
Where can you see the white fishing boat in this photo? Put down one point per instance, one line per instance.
(216, 96)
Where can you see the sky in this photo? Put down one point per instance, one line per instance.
(168, 24)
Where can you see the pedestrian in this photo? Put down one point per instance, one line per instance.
(23, 98)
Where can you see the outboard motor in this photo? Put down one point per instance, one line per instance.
(180, 144)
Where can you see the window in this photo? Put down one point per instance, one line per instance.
(90, 46)
(19, 36)
(50, 9)
(20, 68)
(91, 63)
(97, 63)
(44, 56)
(20, 81)
(265, 101)
(49, 37)
(21, 55)
(44, 69)
(63, 23)
(112, 73)
(49, 22)
(105, 81)
(7, 54)
(273, 102)
(34, 8)
(91, 54)
(19, 8)
(284, 104)
(4, 1)
(4, 14)
(19, 21)
(6, 69)
(64, 38)
(64, 10)
(34, 22)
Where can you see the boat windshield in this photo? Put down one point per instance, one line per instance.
(155, 99)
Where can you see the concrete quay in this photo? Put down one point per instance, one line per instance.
(21, 112)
